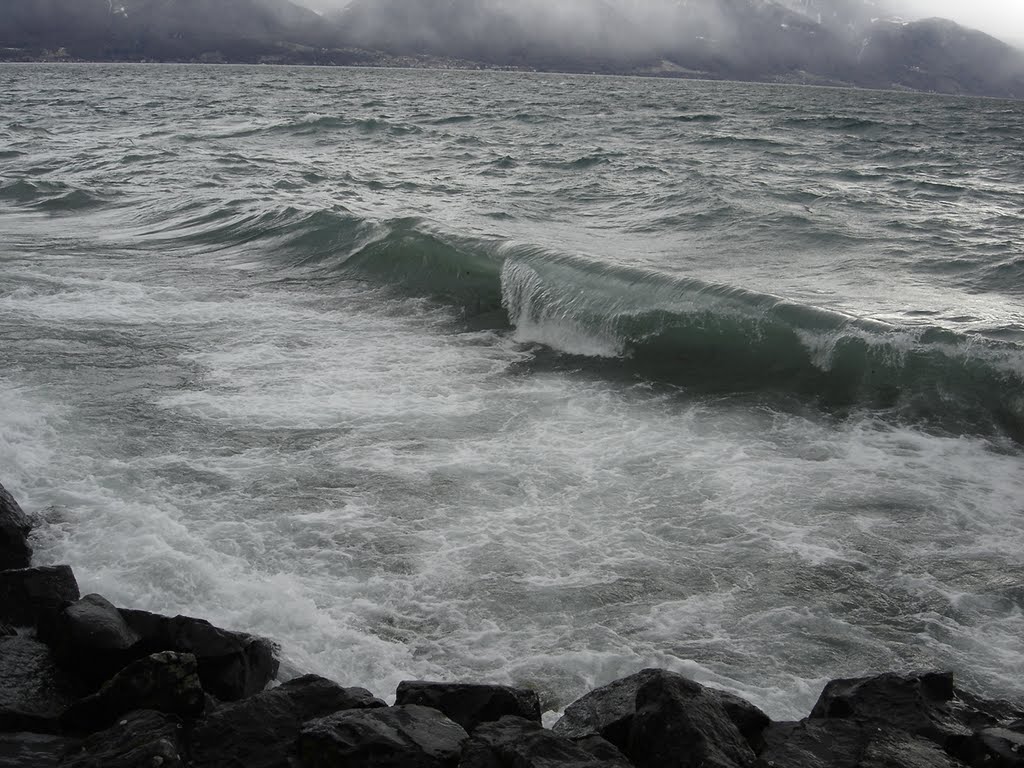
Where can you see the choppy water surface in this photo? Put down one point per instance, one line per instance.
(524, 378)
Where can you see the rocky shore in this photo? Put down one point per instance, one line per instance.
(84, 684)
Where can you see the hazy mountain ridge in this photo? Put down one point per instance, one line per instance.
(852, 42)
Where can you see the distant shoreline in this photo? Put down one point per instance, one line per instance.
(432, 66)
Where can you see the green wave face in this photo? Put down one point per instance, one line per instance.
(710, 338)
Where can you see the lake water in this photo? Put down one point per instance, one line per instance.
(533, 379)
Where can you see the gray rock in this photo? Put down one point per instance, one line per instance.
(26, 594)
(468, 704)
(166, 682)
(34, 692)
(847, 744)
(142, 739)
(33, 750)
(232, 665)
(408, 736)
(15, 527)
(927, 705)
(681, 724)
(93, 623)
(1003, 748)
(514, 742)
(260, 732)
(608, 711)
(92, 641)
(602, 749)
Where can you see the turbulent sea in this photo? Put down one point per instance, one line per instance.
(533, 379)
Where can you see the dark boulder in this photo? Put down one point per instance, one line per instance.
(15, 527)
(6, 630)
(1000, 748)
(681, 724)
(608, 711)
(847, 744)
(92, 641)
(30, 594)
(166, 682)
(260, 732)
(602, 749)
(514, 742)
(917, 703)
(408, 736)
(468, 704)
(34, 692)
(927, 705)
(142, 738)
(93, 623)
(33, 750)
(232, 665)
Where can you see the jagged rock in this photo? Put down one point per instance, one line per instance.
(167, 682)
(33, 750)
(602, 749)
(514, 742)
(916, 703)
(681, 724)
(142, 738)
(408, 736)
(34, 692)
(608, 711)
(260, 732)
(6, 630)
(847, 744)
(748, 719)
(28, 593)
(92, 641)
(468, 704)
(15, 527)
(232, 665)
(1003, 748)
(927, 705)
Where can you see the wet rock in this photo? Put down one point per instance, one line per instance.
(34, 692)
(847, 744)
(260, 732)
(27, 594)
(15, 527)
(139, 739)
(232, 665)
(33, 750)
(408, 736)
(166, 682)
(608, 711)
(681, 724)
(514, 742)
(468, 704)
(918, 703)
(92, 641)
(1001, 748)
(602, 749)
(927, 705)
(93, 623)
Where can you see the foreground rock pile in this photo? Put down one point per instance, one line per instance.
(84, 684)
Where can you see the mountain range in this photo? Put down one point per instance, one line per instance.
(839, 42)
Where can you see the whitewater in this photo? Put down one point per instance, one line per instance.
(523, 378)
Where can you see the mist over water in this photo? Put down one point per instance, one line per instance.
(522, 378)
